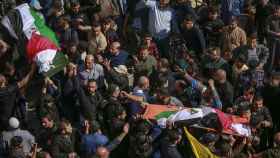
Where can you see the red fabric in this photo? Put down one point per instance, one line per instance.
(38, 43)
(152, 110)
(227, 119)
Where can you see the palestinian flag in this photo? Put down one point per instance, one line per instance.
(225, 123)
(28, 28)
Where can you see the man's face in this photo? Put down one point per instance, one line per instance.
(248, 95)
(73, 49)
(148, 40)
(91, 87)
(46, 123)
(88, 63)
(258, 104)
(213, 16)
(76, 9)
(214, 55)
(66, 129)
(275, 81)
(188, 24)
(106, 26)
(123, 115)
(147, 84)
(3, 47)
(163, 4)
(3, 81)
(143, 54)
(114, 49)
(97, 30)
(233, 25)
(253, 43)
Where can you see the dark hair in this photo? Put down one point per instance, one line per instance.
(164, 62)
(241, 58)
(75, 3)
(213, 49)
(253, 36)
(213, 9)
(188, 17)
(146, 34)
(258, 98)
(118, 110)
(91, 80)
(96, 24)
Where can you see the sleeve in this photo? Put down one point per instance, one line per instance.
(243, 38)
(113, 145)
(269, 30)
(264, 55)
(201, 40)
(148, 3)
(267, 115)
(103, 43)
(174, 24)
(75, 37)
(230, 94)
(217, 101)
(68, 87)
(30, 138)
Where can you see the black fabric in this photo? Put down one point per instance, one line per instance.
(8, 96)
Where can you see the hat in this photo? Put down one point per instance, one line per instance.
(13, 122)
(121, 69)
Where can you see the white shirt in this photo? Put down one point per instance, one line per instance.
(159, 19)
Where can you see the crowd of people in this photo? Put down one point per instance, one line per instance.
(126, 54)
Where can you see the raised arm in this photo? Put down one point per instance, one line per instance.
(195, 83)
(216, 97)
(27, 78)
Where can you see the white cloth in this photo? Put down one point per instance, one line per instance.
(7, 24)
(241, 129)
(27, 137)
(159, 19)
(27, 20)
(44, 60)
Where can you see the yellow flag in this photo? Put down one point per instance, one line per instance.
(200, 151)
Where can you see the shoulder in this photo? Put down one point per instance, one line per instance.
(98, 66)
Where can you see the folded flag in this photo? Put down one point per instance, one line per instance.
(163, 113)
(40, 42)
(229, 124)
(199, 150)
(232, 124)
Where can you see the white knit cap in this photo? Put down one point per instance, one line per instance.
(13, 122)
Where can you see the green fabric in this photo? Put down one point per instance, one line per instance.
(59, 62)
(43, 28)
(165, 114)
